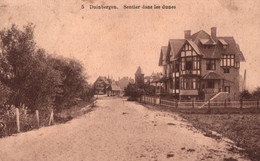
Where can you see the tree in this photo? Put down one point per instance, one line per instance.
(246, 95)
(43, 83)
(256, 93)
(37, 79)
(73, 80)
(17, 48)
(25, 69)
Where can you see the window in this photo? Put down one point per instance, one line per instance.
(189, 63)
(211, 64)
(188, 53)
(194, 83)
(177, 84)
(227, 89)
(189, 83)
(196, 63)
(226, 70)
(227, 61)
(183, 54)
(182, 63)
(177, 67)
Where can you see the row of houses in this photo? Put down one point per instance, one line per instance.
(200, 66)
(107, 85)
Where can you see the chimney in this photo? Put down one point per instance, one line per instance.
(214, 32)
(187, 34)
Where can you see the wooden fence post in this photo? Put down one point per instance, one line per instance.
(37, 118)
(51, 118)
(17, 119)
(257, 103)
(192, 103)
(225, 104)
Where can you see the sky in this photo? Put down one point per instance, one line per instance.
(116, 42)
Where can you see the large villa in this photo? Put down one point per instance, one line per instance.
(200, 66)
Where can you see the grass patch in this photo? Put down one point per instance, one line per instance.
(243, 129)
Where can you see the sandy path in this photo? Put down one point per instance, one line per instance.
(116, 130)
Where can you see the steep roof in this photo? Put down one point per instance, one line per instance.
(162, 60)
(104, 79)
(175, 46)
(139, 71)
(219, 46)
(200, 35)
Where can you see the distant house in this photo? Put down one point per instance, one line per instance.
(152, 79)
(123, 82)
(101, 85)
(113, 90)
(139, 77)
(201, 64)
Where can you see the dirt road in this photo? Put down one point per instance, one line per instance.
(116, 130)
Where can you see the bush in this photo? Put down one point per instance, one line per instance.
(134, 92)
(5, 93)
(8, 116)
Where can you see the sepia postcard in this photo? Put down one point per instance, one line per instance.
(129, 80)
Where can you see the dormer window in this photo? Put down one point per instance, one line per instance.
(207, 43)
(224, 43)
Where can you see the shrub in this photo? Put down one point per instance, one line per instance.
(134, 92)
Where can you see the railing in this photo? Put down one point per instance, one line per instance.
(200, 104)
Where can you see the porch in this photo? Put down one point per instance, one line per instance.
(211, 84)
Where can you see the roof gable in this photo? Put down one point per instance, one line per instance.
(192, 45)
(200, 35)
(101, 78)
(162, 60)
(176, 45)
